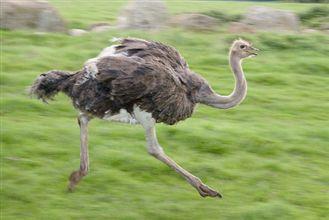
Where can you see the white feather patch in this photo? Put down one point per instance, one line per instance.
(123, 116)
(90, 65)
(143, 117)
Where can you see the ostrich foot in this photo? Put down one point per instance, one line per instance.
(75, 178)
(205, 190)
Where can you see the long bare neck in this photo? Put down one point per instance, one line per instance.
(239, 93)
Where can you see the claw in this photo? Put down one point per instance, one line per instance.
(205, 190)
(74, 179)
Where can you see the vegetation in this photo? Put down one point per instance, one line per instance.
(268, 157)
(315, 16)
(90, 12)
(309, 1)
(223, 17)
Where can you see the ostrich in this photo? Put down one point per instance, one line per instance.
(141, 82)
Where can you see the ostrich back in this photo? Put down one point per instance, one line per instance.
(148, 74)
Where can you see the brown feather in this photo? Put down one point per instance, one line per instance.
(149, 74)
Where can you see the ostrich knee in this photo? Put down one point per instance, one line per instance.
(83, 171)
(155, 151)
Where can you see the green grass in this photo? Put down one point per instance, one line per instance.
(82, 13)
(268, 156)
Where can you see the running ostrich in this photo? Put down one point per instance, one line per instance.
(141, 82)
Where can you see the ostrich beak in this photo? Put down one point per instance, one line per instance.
(253, 51)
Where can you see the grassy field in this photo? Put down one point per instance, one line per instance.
(268, 157)
(82, 13)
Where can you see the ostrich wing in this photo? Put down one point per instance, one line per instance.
(152, 85)
(133, 77)
(152, 52)
(152, 75)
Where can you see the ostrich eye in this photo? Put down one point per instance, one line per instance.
(243, 46)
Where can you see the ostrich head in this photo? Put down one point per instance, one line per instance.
(243, 49)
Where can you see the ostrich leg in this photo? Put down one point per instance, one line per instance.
(77, 175)
(156, 150)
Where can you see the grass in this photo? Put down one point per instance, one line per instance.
(82, 13)
(268, 156)
(315, 17)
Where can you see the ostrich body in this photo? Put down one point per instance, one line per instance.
(141, 82)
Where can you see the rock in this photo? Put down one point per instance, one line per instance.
(238, 27)
(100, 27)
(309, 31)
(324, 27)
(30, 14)
(194, 22)
(269, 19)
(141, 14)
(98, 24)
(77, 32)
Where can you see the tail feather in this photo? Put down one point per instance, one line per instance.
(47, 85)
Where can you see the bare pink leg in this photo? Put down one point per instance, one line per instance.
(156, 150)
(77, 175)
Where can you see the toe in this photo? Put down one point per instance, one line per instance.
(205, 190)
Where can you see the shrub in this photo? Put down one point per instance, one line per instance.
(222, 16)
(315, 16)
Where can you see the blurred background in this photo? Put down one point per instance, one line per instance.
(268, 156)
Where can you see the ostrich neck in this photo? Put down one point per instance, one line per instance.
(239, 92)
